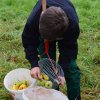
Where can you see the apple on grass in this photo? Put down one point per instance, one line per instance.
(48, 84)
(41, 76)
(38, 82)
(41, 82)
(45, 77)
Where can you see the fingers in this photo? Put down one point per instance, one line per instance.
(61, 83)
(35, 73)
(38, 75)
(62, 80)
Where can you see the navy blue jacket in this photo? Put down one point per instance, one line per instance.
(68, 47)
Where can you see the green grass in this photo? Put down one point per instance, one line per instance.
(13, 15)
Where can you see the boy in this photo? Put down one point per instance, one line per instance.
(58, 24)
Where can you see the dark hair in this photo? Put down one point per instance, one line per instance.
(53, 23)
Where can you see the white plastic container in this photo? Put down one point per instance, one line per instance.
(40, 93)
(18, 75)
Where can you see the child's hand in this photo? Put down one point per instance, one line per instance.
(35, 72)
(62, 80)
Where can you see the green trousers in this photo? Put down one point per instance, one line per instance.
(72, 76)
(72, 73)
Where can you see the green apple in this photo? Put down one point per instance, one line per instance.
(17, 84)
(43, 82)
(25, 82)
(38, 82)
(48, 84)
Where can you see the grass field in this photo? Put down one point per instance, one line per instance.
(13, 15)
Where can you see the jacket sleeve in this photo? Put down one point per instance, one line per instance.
(68, 47)
(30, 36)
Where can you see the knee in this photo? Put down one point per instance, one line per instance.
(72, 74)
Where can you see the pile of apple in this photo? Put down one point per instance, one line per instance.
(20, 85)
(44, 81)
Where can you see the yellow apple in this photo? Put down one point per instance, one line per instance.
(41, 76)
(22, 86)
(14, 87)
(45, 77)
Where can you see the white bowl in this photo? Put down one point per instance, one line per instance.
(18, 75)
